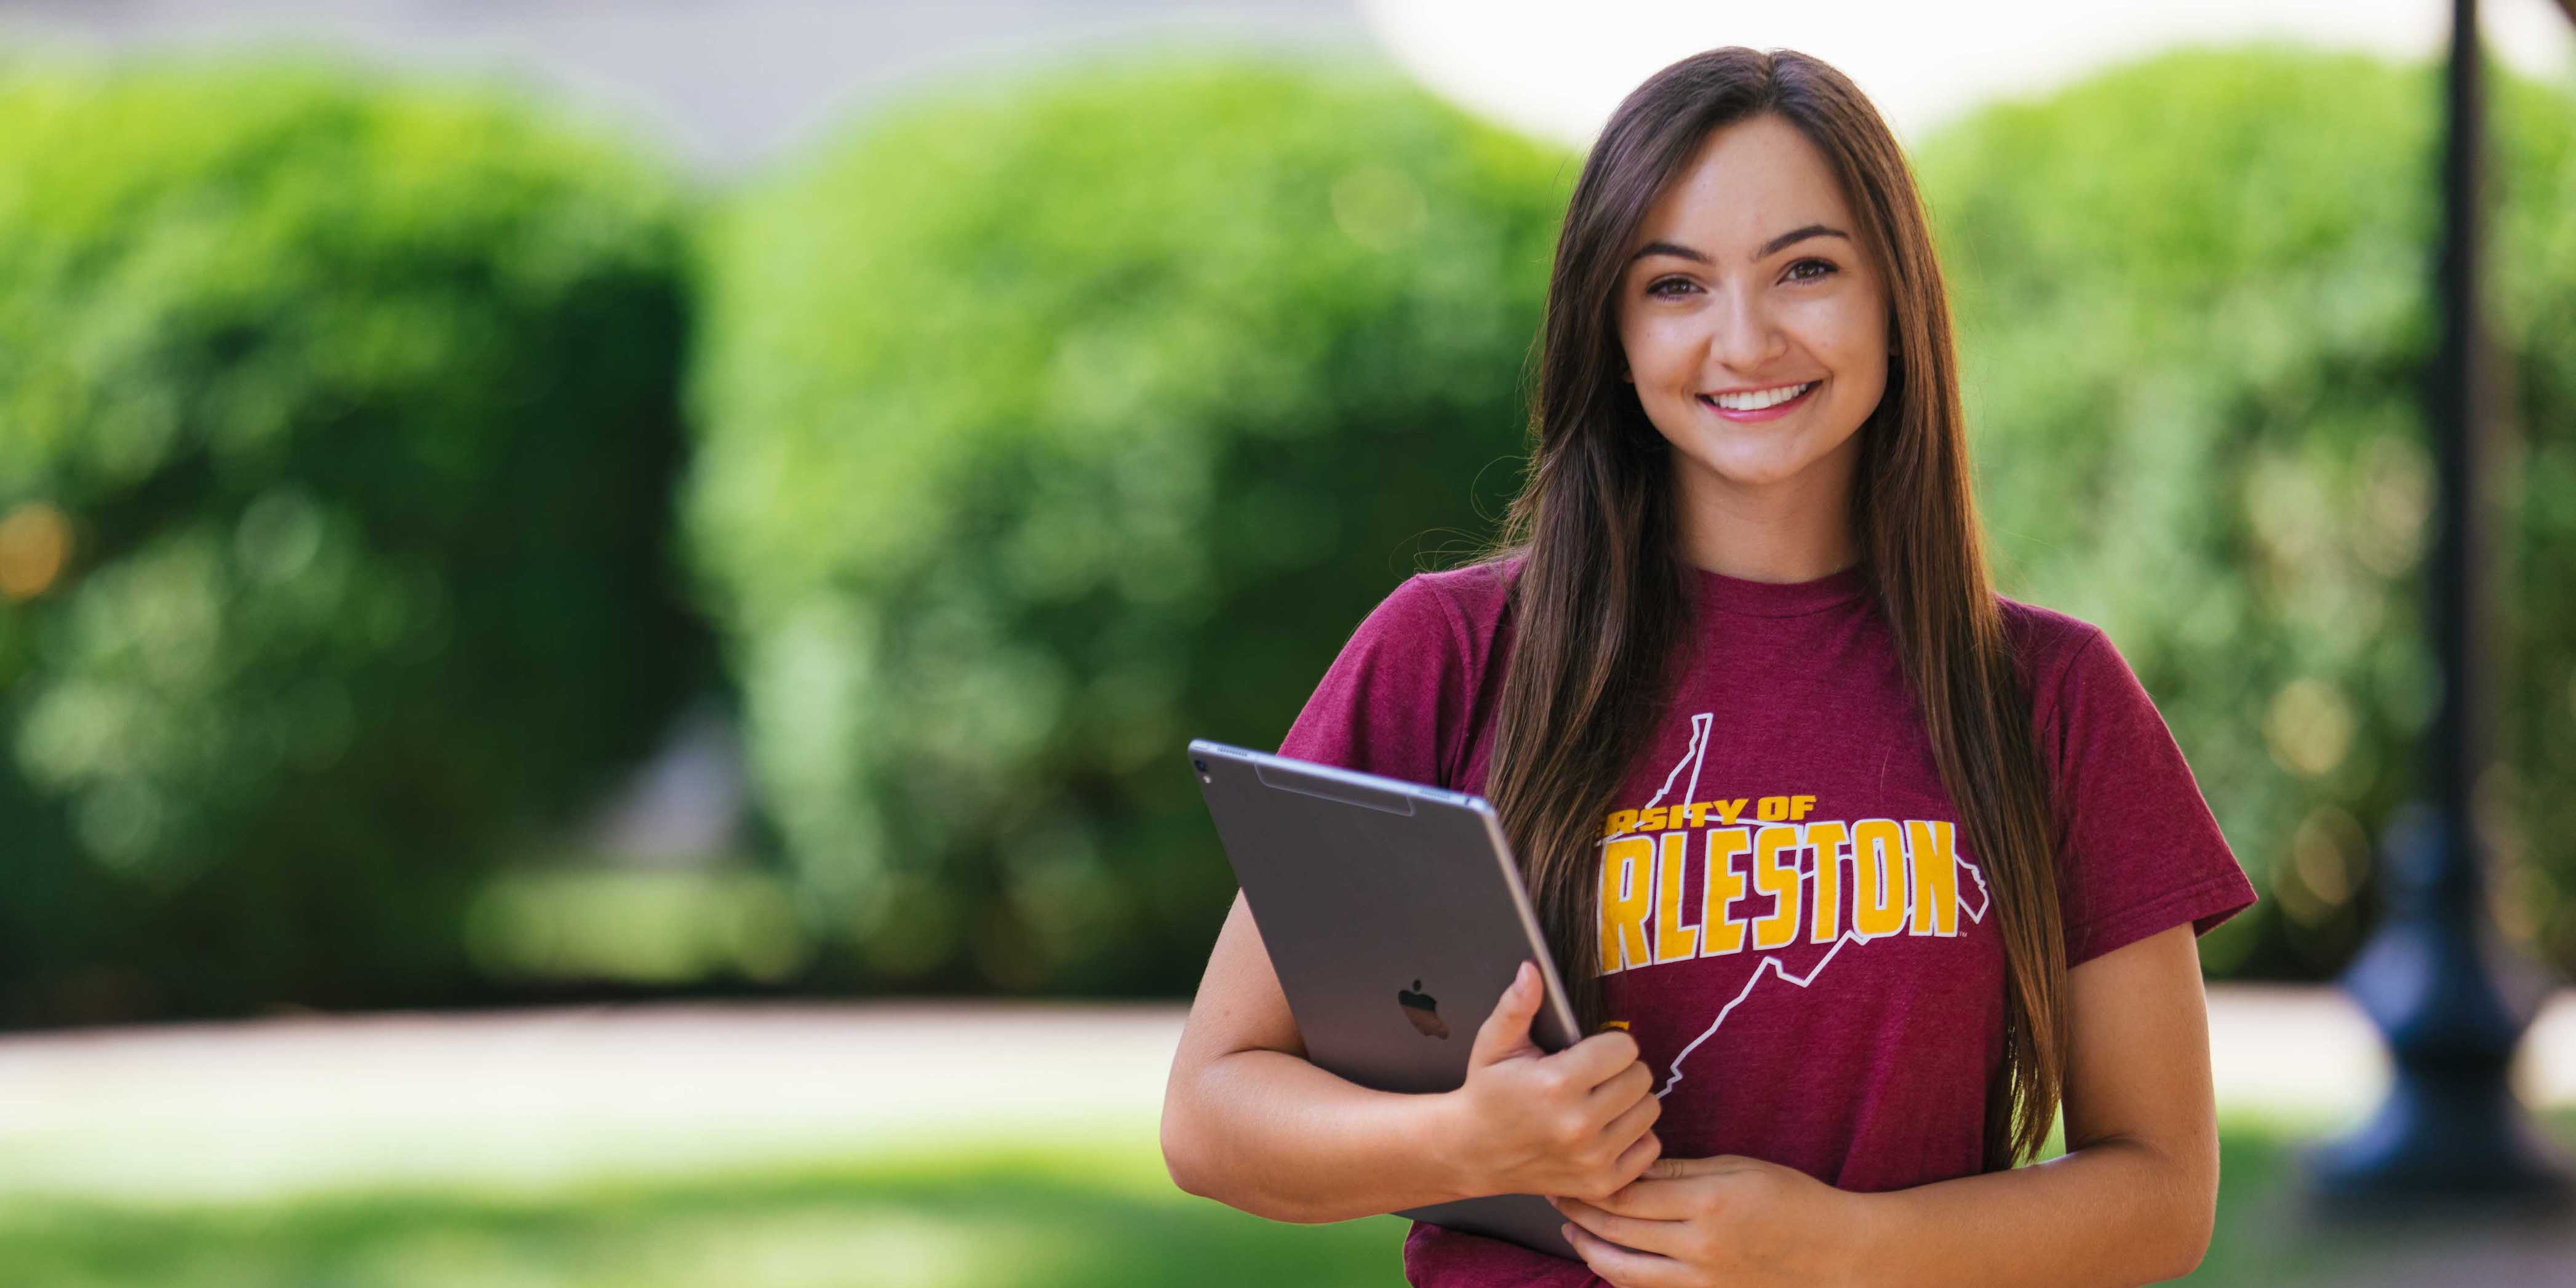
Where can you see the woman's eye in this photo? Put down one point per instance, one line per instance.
(1825, 269)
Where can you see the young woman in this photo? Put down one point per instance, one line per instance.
(1876, 867)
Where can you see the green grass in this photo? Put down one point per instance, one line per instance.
(1076, 1213)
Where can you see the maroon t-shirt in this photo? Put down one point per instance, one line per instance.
(1843, 1016)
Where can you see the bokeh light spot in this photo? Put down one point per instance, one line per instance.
(35, 544)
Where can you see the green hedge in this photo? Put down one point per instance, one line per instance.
(1045, 427)
(337, 423)
(2195, 306)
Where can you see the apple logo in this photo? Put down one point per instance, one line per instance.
(1424, 1010)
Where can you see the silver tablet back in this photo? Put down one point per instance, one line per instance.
(1395, 918)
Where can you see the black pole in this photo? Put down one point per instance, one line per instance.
(2451, 1000)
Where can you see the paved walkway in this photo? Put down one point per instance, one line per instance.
(268, 1107)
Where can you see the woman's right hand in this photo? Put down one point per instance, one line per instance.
(1578, 1122)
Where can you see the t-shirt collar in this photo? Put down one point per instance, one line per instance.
(1749, 598)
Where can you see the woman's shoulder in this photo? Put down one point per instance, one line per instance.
(1475, 592)
(2047, 642)
(1439, 619)
(1400, 698)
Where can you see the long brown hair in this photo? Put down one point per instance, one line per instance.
(1599, 606)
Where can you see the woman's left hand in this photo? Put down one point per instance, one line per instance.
(1729, 1220)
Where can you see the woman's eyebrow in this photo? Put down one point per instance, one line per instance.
(1769, 248)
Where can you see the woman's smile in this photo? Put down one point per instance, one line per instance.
(1774, 411)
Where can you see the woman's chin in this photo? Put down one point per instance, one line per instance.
(1746, 462)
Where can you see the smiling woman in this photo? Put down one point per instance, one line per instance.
(1747, 563)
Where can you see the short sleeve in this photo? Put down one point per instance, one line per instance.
(2139, 850)
(1395, 702)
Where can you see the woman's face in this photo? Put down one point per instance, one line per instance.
(1745, 276)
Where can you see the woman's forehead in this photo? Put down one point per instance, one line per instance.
(1748, 183)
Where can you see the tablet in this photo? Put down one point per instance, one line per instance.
(1395, 918)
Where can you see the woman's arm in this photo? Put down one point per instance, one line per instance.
(1250, 1122)
(2133, 1200)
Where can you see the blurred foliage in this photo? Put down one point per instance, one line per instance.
(337, 428)
(1044, 427)
(2195, 305)
(641, 926)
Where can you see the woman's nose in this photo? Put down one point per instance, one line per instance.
(1743, 334)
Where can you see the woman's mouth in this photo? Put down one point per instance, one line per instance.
(1771, 412)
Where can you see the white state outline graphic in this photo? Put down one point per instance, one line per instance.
(1695, 756)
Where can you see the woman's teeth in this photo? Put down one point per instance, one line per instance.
(1759, 400)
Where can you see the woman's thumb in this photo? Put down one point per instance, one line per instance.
(1507, 1028)
(1523, 995)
